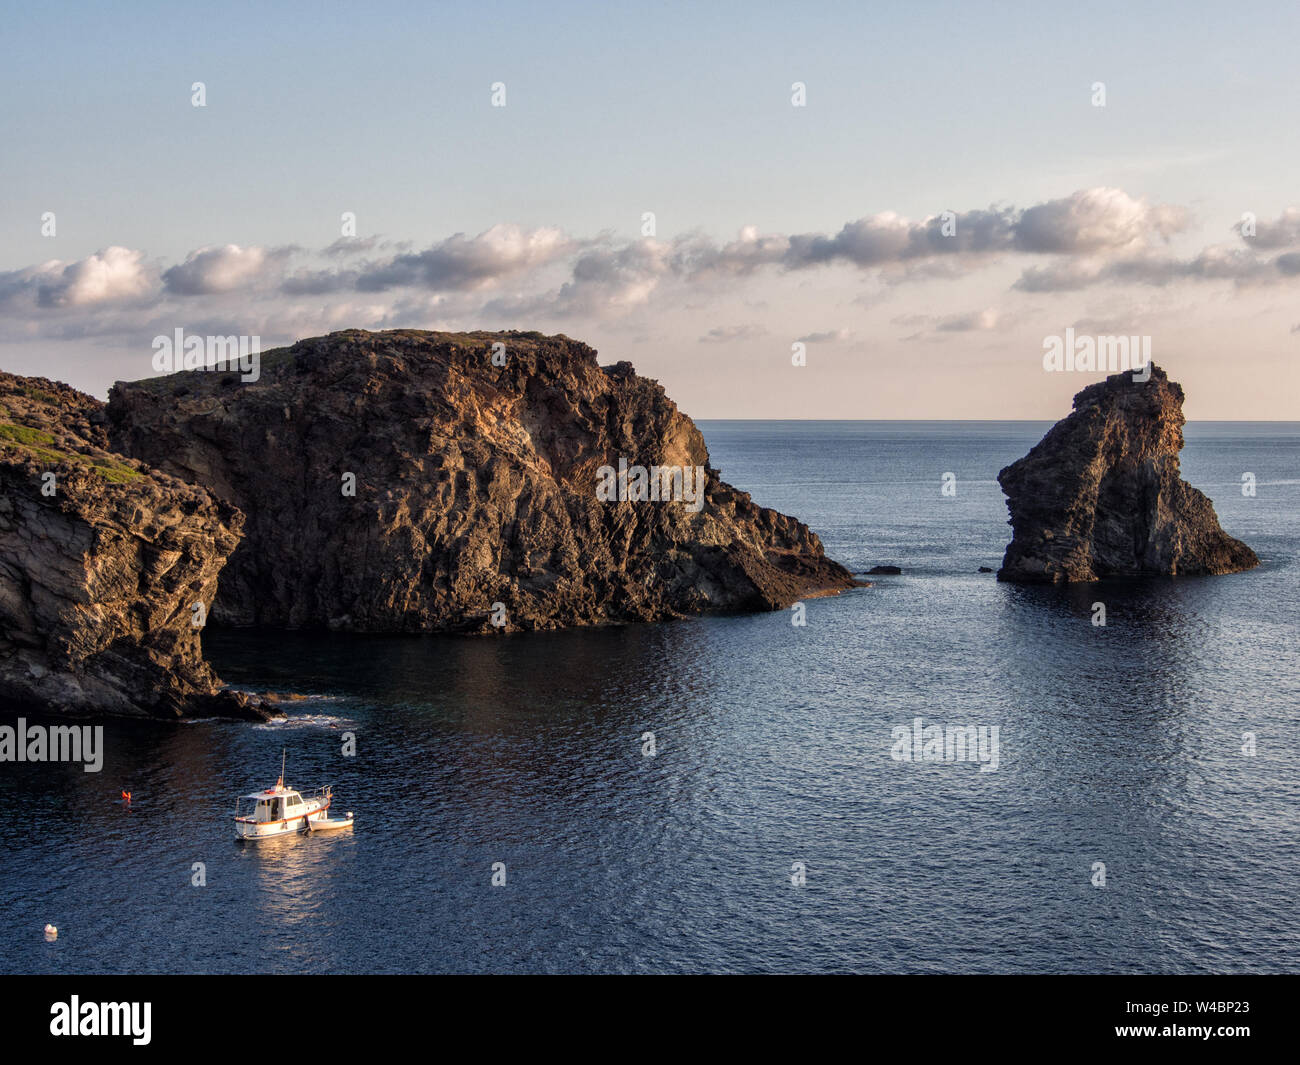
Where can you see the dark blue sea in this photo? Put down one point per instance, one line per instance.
(1123, 744)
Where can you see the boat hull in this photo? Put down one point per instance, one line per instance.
(247, 829)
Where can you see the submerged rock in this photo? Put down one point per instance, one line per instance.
(1101, 494)
(883, 570)
(101, 562)
(404, 481)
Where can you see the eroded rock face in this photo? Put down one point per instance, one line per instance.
(100, 566)
(475, 484)
(1101, 494)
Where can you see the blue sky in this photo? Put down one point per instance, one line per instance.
(685, 111)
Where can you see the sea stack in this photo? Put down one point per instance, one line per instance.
(1101, 494)
(409, 481)
(102, 563)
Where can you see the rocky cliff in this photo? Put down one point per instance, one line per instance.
(405, 481)
(1101, 495)
(101, 561)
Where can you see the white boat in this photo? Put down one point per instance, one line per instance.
(281, 811)
(326, 824)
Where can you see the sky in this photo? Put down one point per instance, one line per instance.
(960, 183)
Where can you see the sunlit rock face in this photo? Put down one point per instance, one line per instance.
(102, 561)
(408, 481)
(1101, 494)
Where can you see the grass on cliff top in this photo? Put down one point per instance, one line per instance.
(31, 441)
(32, 392)
(41, 395)
(22, 434)
(115, 472)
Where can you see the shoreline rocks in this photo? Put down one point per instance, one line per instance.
(1101, 495)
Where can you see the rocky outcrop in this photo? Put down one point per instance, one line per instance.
(101, 561)
(1101, 494)
(406, 481)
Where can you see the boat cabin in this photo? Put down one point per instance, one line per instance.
(276, 807)
(277, 804)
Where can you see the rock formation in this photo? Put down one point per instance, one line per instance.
(406, 481)
(100, 566)
(1101, 494)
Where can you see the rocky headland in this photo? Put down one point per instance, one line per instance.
(101, 562)
(1101, 495)
(409, 481)
(382, 482)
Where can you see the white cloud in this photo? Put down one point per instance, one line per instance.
(224, 268)
(114, 274)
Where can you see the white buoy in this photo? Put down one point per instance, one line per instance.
(51, 932)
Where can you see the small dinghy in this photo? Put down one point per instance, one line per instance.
(329, 824)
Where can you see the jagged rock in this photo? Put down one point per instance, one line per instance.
(97, 580)
(475, 484)
(1101, 494)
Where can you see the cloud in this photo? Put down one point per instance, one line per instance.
(511, 273)
(1215, 263)
(1088, 221)
(225, 268)
(346, 246)
(1096, 220)
(983, 321)
(887, 238)
(1218, 262)
(697, 256)
(616, 277)
(1065, 275)
(460, 262)
(1288, 264)
(1283, 233)
(729, 333)
(113, 274)
(971, 322)
(832, 336)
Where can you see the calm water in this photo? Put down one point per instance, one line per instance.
(1119, 745)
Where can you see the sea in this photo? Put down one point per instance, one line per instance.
(738, 793)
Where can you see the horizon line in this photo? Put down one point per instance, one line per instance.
(1027, 421)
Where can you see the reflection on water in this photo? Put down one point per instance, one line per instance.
(290, 877)
(1120, 744)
